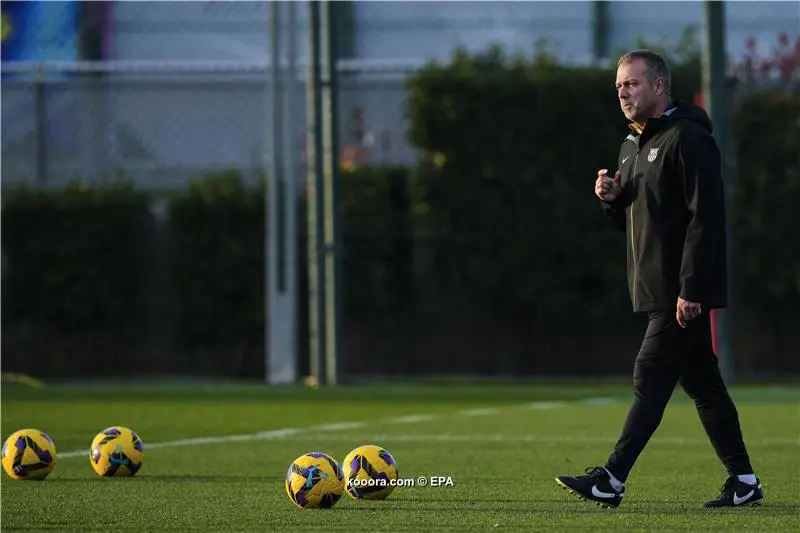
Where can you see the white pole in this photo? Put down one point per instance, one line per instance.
(281, 242)
(292, 196)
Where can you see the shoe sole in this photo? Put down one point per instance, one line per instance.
(604, 505)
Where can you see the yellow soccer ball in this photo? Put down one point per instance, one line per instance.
(116, 452)
(370, 473)
(314, 481)
(29, 454)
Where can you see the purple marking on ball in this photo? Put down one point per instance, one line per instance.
(339, 472)
(44, 456)
(387, 458)
(137, 445)
(45, 435)
(355, 464)
(328, 501)
(20, 444)
(316, 455)
(111, 431)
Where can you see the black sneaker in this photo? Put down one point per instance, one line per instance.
(595, 486)
(734, 493)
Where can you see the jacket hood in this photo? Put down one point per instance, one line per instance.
(687, 111)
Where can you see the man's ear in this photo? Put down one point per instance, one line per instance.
(660, 86)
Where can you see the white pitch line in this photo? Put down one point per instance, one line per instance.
(248, 437)
(544, 406)
(598, 401)
(338, 426)
(291, 432)
(197, 441)
(411, 419)
(479, 412)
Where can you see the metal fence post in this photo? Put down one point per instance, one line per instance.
(715, 101)
(40, 99)
(333, 241)
(315, 205)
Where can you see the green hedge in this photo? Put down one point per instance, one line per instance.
(766, 217)
(766, 222)
(216, 278)
(76, 264)
(377, 241)
(506, 179)
(490, 255)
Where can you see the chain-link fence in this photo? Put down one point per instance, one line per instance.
(163, 125)
(159, 127)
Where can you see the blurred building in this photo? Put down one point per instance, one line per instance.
(418, 31)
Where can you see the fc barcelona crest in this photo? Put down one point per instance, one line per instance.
(652, 155)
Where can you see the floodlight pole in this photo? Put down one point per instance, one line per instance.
(332, 238)
(324, 254)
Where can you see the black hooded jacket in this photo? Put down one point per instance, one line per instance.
(673, 212)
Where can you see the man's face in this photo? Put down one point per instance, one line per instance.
(637, 96)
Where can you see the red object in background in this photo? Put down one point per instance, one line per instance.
(698, 99)
(714, 331)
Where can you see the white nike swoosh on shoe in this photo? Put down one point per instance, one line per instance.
(623, 161)
(600, 494)
(738, 501)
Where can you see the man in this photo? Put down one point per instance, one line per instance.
(667, 197)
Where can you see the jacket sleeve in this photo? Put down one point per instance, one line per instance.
(699, 167)
(615, 211)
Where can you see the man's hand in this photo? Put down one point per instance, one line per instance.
(687, 311)
(608, 189)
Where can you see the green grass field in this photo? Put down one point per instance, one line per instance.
(501, 445)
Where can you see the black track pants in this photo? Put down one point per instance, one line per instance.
(668, 354)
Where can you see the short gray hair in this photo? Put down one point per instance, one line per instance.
(657, 66)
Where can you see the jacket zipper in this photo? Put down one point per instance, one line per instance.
(633, 239)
